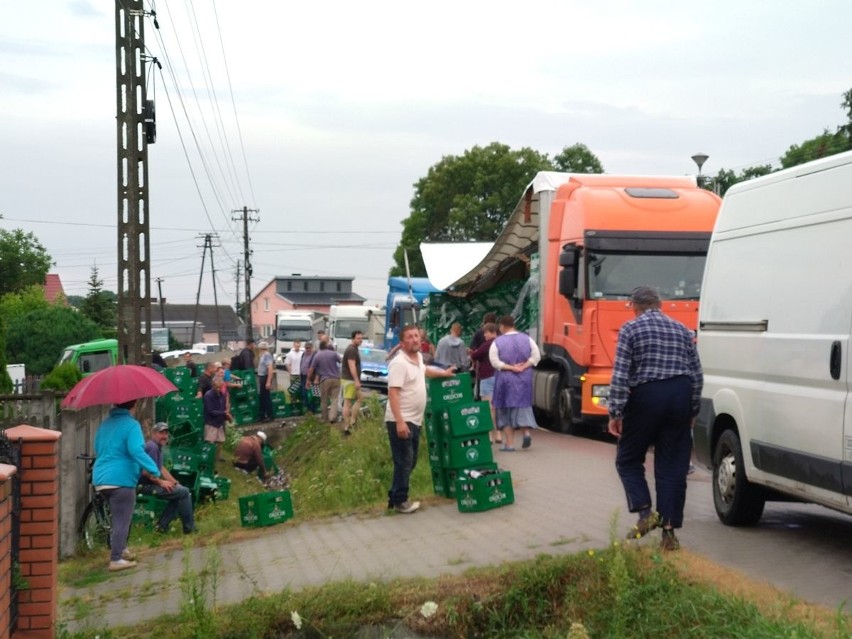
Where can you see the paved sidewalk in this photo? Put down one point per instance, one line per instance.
(567, 499)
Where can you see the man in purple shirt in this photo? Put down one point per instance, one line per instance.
(167, 487)
(654, 396)
(326, 368)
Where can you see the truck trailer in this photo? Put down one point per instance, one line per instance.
(404, 304)
(574, 249)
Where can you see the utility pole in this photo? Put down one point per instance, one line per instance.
(133, 136)
(246, 215)
(208, 246)
(162, 302)
(237, 301)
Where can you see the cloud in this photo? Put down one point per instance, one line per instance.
(84, 9)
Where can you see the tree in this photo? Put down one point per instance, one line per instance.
(23, 261)
(36, 338)
(821, 146)
(726, 178)
(577, 159)
(466, 198)
(100, 306)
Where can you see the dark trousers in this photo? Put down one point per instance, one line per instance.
(265, 397)
(404, 454)
(121, 503)
(657, 413)
(179, 505)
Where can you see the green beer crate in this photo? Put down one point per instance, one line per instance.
(466, 452)
(436, 460)
(446, 391)
(451, 474)
(192, 480)
(208, 488)
(269, 459)
(466, 419)
(148, 510)
(224, 485)
(439, 482)
(485, 492)
(434, 423)
(277, 397)
(281, 411)
(185, 434)
(266, 509)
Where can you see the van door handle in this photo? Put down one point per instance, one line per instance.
(834, 360)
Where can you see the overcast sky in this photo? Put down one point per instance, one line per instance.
(343, 106)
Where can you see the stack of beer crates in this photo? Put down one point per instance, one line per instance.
(245, 406)
(457, 433)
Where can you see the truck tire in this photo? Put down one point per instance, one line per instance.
(737, 501)
(565, 412)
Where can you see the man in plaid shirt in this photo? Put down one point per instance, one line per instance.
(654, 396)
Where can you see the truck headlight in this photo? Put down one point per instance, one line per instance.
(600, 395)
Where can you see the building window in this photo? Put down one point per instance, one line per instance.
(266, 304)
(305, 285)
(322, 287)
(289, 286)
(339, 287)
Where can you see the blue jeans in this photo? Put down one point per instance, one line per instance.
(180, 504)
(404, 454)
(659, 414)
(121, 503)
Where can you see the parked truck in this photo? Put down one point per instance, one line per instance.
(343, 319)
(404, 304)
(572, 252)
(295, 325)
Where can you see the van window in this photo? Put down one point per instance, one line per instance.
(93, 362)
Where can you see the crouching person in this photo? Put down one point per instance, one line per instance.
(166, 487)
(248, 455)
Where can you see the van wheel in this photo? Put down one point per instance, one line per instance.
(738, 502)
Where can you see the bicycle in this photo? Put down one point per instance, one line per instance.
(96, 523)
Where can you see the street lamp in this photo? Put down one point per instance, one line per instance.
(700, 159)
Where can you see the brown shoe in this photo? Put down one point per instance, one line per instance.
(669, 541)
(644, 526)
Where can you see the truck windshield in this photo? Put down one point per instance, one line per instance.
(615, 275)
(289, 332)
(343, 327)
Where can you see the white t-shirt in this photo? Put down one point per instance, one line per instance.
(410, 378)
(292, 361)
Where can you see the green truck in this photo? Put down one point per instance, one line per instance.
(91, 357)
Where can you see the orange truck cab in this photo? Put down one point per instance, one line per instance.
(585, 242)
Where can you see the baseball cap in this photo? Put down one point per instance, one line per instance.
(262, 435)
(263, 346)
(159, 427)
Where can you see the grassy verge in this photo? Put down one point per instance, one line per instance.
(618, 592)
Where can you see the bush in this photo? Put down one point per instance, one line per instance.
(63, 377)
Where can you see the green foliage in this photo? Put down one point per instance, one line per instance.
(466, 198)
(577, 159)
(5, 380)
(63, 377)
(726, 178)
(23, 261)
(100, 306)
(821, 146)
(37, 338)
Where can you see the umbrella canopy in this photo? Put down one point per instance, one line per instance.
(117, 385)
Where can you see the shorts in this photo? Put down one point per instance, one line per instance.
(214, 434)
(349, 390)
(486, 387)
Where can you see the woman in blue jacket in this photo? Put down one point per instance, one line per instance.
(119, 459)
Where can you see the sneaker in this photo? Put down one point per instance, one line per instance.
(644, 526)
(128, 555)
(121, 564)
(527, 441)
(407, 507)
(669, 540)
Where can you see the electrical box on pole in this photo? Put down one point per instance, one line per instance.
(133, 136)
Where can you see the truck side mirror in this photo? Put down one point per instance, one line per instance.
(568, 272)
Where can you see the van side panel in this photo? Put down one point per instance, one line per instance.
(776, 307)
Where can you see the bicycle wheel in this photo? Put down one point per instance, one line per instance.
(95, 526)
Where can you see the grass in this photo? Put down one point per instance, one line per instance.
(621, 591)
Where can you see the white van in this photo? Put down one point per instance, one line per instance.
(774, 340)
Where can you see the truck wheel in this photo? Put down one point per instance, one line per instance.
(738, 502)
(565, 413)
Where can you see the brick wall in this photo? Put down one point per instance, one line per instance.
(6, 473)
(39, 535)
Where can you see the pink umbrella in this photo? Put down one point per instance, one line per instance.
(117, 385)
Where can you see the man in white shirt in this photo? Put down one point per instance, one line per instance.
(404, 413)
(292, 362)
